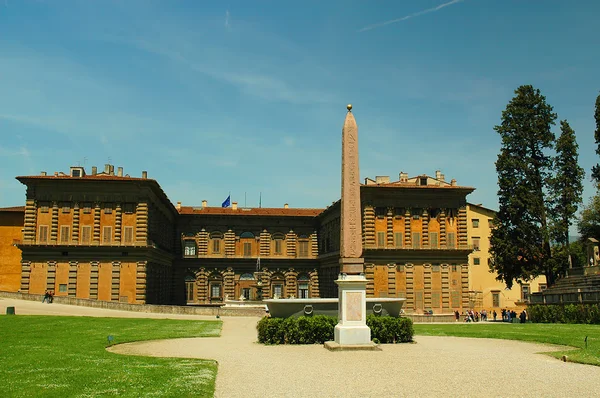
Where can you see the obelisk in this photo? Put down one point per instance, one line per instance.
(352, 330)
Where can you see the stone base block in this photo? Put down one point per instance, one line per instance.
(333, 346)
(352, 335)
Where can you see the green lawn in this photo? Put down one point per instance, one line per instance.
(55, 356)
(561, 334)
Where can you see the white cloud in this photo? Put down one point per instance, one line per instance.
(416, 14)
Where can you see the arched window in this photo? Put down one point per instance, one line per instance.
(303, 248)
(247, 240)
(189, 248)
(246, 235)
(303, 286)
(246, 277)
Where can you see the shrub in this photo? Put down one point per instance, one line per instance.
(569, 313)
(320, 328)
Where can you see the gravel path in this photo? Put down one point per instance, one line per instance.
(433, 367)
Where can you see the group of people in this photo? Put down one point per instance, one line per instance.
(476, 316)
(48, 297)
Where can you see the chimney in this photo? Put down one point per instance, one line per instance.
(94, 170)
(204, 203)
(442, 177)
(453, 182)
(286, 206)
(234, 205)
(56, 174)
(106, 168)
(438, 175)
(112, 170)
(144, 174)
(178, 206)
(120, 172)
(403, 176)
(44, 173)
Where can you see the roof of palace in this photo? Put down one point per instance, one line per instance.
(16, 209)
(260, 211)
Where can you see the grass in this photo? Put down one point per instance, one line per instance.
(560, 334)
(49, 356)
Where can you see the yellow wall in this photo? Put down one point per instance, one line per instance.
(11, 224)
(482, 282)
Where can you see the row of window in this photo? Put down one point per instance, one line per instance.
(128, 208)
(190, 247)
(85, 234)
(475, 222)
(416, 240)
(434, 267)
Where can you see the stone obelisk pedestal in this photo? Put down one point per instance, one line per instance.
(351, 332)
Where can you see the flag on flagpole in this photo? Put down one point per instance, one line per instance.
(227, 202)
(258, 264)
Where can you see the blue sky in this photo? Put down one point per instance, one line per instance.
(246, 97)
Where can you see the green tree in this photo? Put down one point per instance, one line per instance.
(596, 168)
(520, 243)
(566, 187)
(589, 221)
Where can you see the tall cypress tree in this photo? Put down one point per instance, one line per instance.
(520, 242)
(596, 168)
(567, 185)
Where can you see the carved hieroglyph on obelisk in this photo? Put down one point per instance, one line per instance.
(352, 330)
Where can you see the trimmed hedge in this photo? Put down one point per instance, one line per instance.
(319, 329)
(569, 313)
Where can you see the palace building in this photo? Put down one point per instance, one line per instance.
(112, 237)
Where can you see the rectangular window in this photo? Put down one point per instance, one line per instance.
(398, 236)
(66, 208)
(247, 249)
(400, 267)
(128, 234)
(435, 268)
(433, 240)
(87, 208)
(43, 235)
(277, 291)
(64, 234)
(246, 293)
(303, 248)
(380, 239)
(416, 240)
(455, 268)
(542, 287)
(476, 261)
(279, 246)
(475, 243)
(108, 208)
(525, 292)
(451, 241)
(189, 288)
(303, 290)
(189, 248)
(86, 233)
(475, 222)
(216, 243)
(107, 235)
(435, 300)
(62, 288)
(495, 299)
(215, 291)
(491, 223)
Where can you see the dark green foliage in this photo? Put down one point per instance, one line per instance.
(588, 224)
(566, 186)
(319, 329)
(387, 329)
(520, 243)
(569, 313)
(596, 168)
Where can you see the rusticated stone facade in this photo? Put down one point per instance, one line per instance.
(118, 238)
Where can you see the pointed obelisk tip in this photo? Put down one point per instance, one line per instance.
(349, 107)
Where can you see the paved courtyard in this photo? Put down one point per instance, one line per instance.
(433, 367)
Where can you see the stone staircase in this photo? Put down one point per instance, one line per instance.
(575, 288)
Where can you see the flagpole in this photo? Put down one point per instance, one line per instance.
(260, 201)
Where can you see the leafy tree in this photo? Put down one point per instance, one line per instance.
(596, 168)
(589, 221)
(520, 243)
(566, 187)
